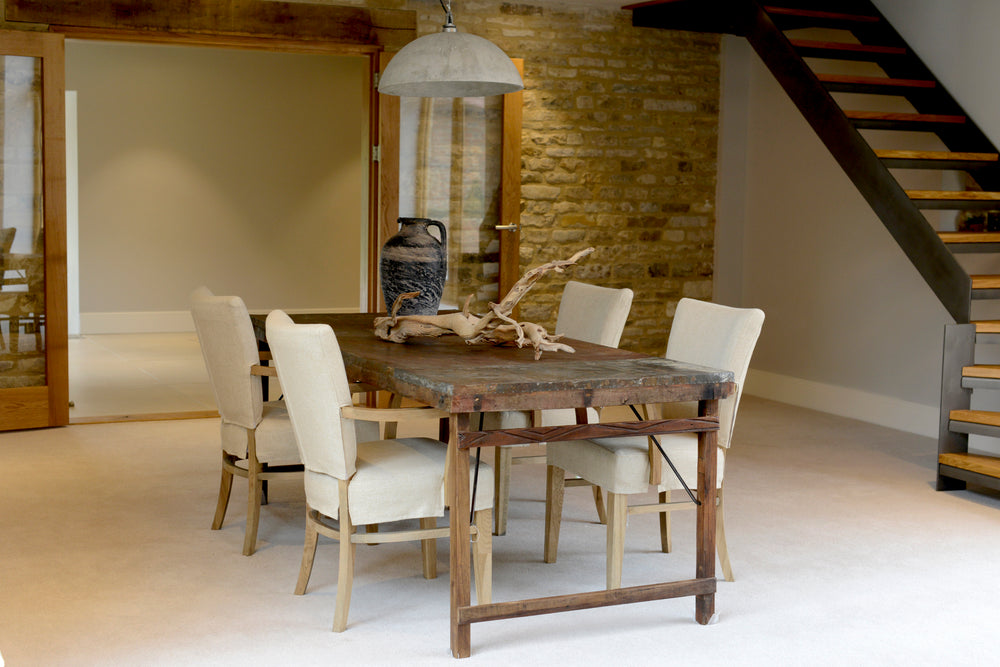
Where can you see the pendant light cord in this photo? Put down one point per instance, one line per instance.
(449, 21)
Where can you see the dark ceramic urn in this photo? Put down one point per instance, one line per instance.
(414, 261)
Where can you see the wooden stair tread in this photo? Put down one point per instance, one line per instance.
(816, 14)
(876, 81)
(937, 155)
(982, 371)
(985, 282)
(984, 417)
(849, 47)
(905, 117)
(969, 237)
(954, 195)
(984, 465)
(987, 326)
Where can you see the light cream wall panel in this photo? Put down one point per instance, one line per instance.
(844, 305)
(241, 170)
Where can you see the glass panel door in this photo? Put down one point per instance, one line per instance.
(33, 364)
(449, 170)
(457, 161)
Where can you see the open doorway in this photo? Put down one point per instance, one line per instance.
(246, 171)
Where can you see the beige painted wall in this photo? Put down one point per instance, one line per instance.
(241, 170)
(851, 327)
(845, 306)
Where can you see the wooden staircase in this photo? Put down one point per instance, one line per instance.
(860, 34)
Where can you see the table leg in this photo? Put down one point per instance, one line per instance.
(707, 458)
(458, 495)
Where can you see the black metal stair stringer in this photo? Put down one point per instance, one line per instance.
(935, 263)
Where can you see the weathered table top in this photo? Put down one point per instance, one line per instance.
(453, 376)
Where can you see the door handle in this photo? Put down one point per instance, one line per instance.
(510, 228)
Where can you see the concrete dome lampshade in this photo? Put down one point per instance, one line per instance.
(450, 64)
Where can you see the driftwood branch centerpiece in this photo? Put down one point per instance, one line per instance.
(496, 327)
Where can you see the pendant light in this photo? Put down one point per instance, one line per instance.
(450, 64)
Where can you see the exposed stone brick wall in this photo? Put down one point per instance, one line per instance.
(618, 151)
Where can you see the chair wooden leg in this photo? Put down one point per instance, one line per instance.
(617, 515)
(482, 556)
(554, 487)
(720, 539)
(501, 488)
(225, 489)
(345, 569)
(253, 505)
(308, 552)
(602, 516)
(665, 542)
(428, 550)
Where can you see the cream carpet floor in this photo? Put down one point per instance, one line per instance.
(127, 374)
(844, 554)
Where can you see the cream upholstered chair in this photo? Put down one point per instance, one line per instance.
(257, 438)
(702, 333)
(589, 313)
(351, 476)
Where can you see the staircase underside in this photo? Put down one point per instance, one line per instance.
(859, 33)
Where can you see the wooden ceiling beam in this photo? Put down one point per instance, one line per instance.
(286, 20)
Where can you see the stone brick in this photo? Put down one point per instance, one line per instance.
(575, 236)
(540, 192)
(560, 177)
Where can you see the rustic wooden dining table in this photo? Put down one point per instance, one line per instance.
(462, 379)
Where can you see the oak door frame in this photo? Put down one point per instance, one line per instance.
(286, 27)
(47, 405)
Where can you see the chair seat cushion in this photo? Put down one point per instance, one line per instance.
(395, 480)
(621, 465)
(274, 437)
(618, 465)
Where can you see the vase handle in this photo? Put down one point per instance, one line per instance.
(441, 230)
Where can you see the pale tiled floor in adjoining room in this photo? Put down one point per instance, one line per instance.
(137, 374)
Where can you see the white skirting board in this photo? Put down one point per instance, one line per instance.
(159, 321)
(845, 402)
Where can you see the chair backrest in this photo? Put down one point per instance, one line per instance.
(229, 347)
(313, 378)
(721, 337)
(593, 314)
